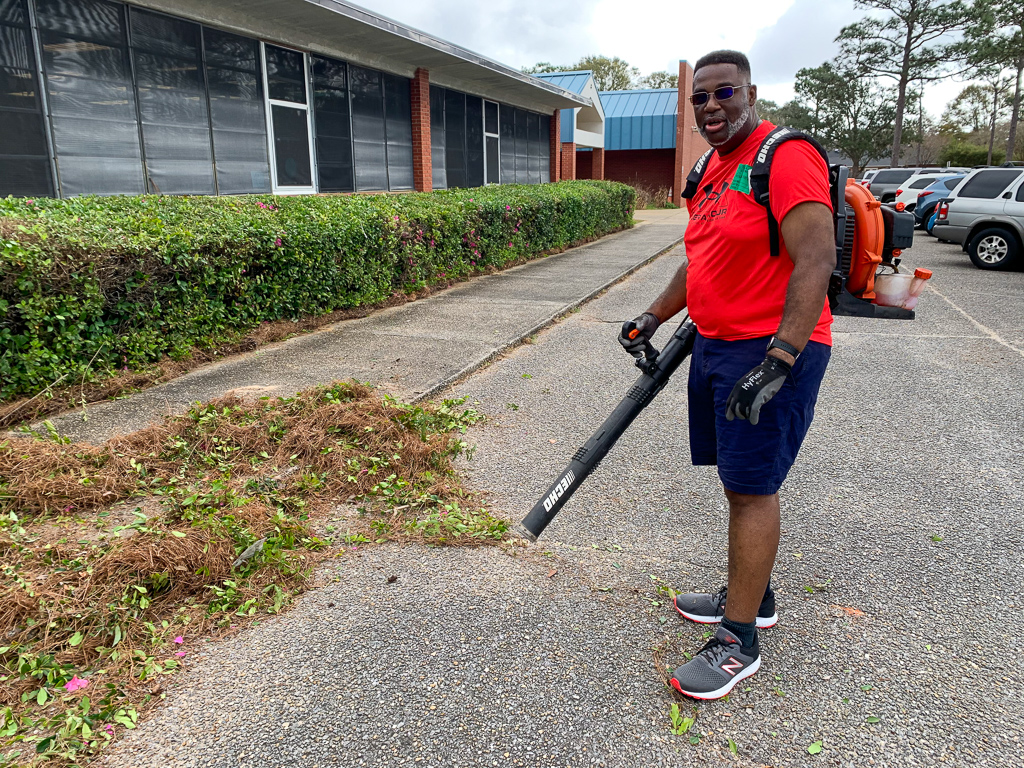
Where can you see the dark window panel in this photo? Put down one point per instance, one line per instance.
(368, 129)
(14, 12)
(23, 133)
(493, 174)
(83, 137)
(474, 141)
(291, 147)
(16, 48)
(490, 117)
(533, 129)
(164, 73)
(455, 138)
(18, 89)
(234, 84)
(545, 148)
(285, 75)
(89, 19)
(437, 152)
(81, 58)
(82, 97)
(241, 146)
(242, 178)
(329, 73)
(507, 131)
(522, 148)
(100, 175)
(398, 118)
(164, 35)
(25, 177)
(224, 49)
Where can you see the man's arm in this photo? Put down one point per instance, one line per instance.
(673, 299)
(809, 235)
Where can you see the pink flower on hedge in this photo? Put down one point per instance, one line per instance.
(509, 243)
(278, 242)
(396, 218)
(30, 202)
(508, 207)
(431, 243)
(76, 683)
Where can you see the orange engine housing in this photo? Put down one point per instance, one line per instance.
(868, 240)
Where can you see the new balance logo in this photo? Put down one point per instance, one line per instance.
(732, 666)
(559, 490)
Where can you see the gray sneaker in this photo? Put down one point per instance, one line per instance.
(717, 667)
(707, 608)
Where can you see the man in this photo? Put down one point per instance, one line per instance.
(764, 339)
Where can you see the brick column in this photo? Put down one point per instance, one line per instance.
(690, 145)
(597, 164)
(555, 139)
(422, 170)
(569, 160)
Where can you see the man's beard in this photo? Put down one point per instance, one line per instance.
(735, 126)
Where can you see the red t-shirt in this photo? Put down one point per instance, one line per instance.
(735, 288)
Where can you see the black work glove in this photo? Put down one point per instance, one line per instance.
(644, 327)
(756, 388)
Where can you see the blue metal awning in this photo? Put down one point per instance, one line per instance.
(640, 119)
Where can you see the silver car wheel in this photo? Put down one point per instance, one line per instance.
(992, 249)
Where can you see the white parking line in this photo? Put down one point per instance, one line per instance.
(980, 326)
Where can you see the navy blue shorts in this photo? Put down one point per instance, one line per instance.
(751, 459)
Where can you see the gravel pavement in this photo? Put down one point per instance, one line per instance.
(898, 578)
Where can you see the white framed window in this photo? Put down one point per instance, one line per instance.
(290, 134)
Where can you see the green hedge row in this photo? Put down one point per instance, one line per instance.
(90, 285)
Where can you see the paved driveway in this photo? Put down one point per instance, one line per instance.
(899, 577)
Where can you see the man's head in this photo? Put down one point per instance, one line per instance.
(724, 120)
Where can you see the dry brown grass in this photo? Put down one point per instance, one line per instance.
(208, 484)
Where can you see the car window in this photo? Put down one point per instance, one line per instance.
(891, 177)
(1020, 194)
(989, 184)
(953, 183)
(921, 183)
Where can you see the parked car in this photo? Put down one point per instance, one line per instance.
(868, 176)
(985, 216)
(909, 190)
(926, 205)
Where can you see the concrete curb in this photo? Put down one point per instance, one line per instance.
(546, 323)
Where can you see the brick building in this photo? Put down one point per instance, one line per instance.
(582, 128)
(651, 137)
(248, 96)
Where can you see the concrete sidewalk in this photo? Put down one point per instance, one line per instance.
(412, 351)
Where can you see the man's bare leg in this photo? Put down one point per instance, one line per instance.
(754, 523)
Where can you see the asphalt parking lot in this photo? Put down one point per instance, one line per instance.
(898, 579)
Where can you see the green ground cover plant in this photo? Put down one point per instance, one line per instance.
(91, 286)
(119, 559)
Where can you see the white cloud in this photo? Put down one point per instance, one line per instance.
(780, 36)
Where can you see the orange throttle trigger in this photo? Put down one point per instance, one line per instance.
(634, 333)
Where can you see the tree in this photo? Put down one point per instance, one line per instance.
(792, 113)
(544, 67)
(847, 111)
(905, 45)
(967, 113)
(610, 74)
(993, 43)
(658, 80)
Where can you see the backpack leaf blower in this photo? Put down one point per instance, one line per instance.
(868, 235)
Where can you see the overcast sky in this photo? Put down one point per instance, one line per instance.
(780, 36)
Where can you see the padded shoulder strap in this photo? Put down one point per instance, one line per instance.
(762, 168)
(695, 176)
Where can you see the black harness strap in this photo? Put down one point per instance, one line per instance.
(758, 175)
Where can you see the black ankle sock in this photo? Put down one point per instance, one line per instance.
(768, 589)
(745, 633)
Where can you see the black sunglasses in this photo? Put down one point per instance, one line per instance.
(724, 93)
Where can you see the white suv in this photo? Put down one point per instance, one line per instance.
(985, 215)
(911, 188)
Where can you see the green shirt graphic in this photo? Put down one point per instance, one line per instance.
(741, 181)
